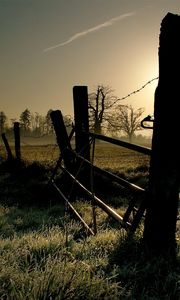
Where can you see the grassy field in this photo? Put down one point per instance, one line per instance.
(45, 253)
(106, 155)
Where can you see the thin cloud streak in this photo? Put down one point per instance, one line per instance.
(90, 30)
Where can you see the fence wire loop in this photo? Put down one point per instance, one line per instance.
(147, 119)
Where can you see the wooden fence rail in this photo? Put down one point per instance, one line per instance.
(98, 201)
(113, 177)
(83, 160)
(74, 211)
(143, 150)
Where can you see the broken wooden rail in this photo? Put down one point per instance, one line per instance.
(139, 212)
(74, 211)
(98, 201)
(74, 161)
(110, 175)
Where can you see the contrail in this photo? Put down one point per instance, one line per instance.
(90, 30)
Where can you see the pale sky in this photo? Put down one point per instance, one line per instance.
(48, 46)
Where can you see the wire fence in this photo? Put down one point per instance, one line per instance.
(43, 148)
(135, 91)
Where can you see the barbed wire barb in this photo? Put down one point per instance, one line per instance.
(134, 92)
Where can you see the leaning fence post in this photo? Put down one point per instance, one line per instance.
(62, 137)
(17, 140)
(162, 204)
(81, 120)
(8, 149)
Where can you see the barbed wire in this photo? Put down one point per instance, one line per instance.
(134, 92)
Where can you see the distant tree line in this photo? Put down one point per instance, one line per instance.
(32, 124)
(106, 115)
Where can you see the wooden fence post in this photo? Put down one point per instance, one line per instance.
(162, 204)
(8, 149)
(62, 137)
(17, 140)
(80, 95)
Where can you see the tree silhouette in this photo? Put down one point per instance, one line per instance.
(129, 119)
(125, 119)
(25, 119)
(100, 104)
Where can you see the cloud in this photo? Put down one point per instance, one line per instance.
(90, 30)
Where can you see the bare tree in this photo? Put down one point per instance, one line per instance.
(126, 119)
(100, 104)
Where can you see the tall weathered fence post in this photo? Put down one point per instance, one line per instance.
(8, 149)
(80, 95)
(160, 221)
(62, 137)
(17, 140)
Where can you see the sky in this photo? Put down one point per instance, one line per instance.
(49, 46)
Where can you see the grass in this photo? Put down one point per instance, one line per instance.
(45, 254)
(106, 156)
(44, 258)
(117, 158)
(48, 261)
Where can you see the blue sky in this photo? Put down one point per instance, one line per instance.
(48, 46)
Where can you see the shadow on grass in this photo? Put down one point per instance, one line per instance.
(145, 276)
(25, 185)
(16, 221)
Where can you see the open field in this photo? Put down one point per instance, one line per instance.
(45, 254)
(106, 155)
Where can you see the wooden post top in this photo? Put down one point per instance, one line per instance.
(169, 50)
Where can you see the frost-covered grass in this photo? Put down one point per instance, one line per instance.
(45, 254)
